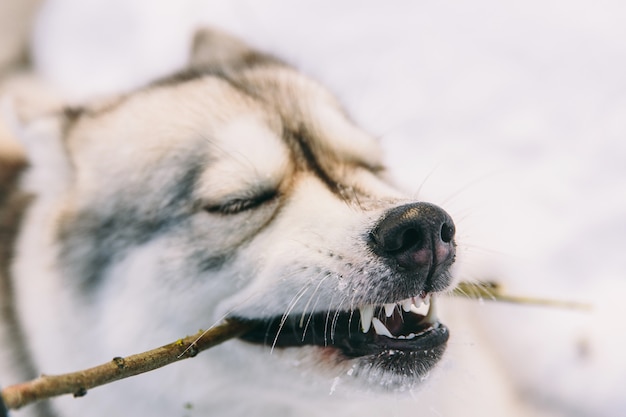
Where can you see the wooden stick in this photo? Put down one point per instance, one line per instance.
(492, 291)
(77, 383)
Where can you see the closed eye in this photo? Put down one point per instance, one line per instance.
(238, 205)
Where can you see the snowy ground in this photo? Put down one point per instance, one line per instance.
(511, 115)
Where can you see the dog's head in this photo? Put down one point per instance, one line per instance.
(240, 188)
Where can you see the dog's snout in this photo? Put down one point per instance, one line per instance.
(416, 236)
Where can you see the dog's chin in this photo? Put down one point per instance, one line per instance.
(393, 347)
(396, 370)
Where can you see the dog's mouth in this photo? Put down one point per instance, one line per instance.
(408, 327)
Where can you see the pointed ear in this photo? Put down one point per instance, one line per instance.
(42, 140)
(216, 50)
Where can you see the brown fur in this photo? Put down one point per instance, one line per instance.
(12, 206)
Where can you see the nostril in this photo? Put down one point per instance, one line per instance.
(412, 238)
(447, 232)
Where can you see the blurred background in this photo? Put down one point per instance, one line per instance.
(511, 115)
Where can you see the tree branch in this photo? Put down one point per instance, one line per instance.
(78, 383)
(492, 291)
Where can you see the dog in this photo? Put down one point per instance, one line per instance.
(235, 188)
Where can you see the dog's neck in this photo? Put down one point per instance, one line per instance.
(12, 206)
(13, 203)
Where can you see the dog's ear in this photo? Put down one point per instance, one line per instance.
(40, 133)
(216, 50)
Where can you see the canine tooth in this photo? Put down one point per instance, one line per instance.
(416, 309)
(426, 299)
(406, 304)
(380, 328)
(367, 312)
(431, 316)
(389, 309)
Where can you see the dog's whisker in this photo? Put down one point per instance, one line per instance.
(326, 323)
(350, 322)
(483, 249)
(352, 306)
(310, 317)
(286, 314)
(467, 186)
(217, 322)
(306, 306)
(418, 192)
(326, 327)
(314, 308)
(335, 318)
(473, 289)
(463, 292)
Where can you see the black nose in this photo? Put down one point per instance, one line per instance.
(418, 237)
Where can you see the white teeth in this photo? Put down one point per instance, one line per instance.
(409, 305)
(389, 309)
(416, 310)
(380, 328)
(367, 312)
(431, 316)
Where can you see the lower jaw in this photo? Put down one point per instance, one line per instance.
(397, 370)
(397, 366)
(388, 363)
(328, 370)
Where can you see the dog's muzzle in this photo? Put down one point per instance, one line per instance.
(416, 242)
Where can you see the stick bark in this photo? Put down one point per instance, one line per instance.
(78, 383)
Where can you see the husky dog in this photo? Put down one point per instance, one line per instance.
(235, 188)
